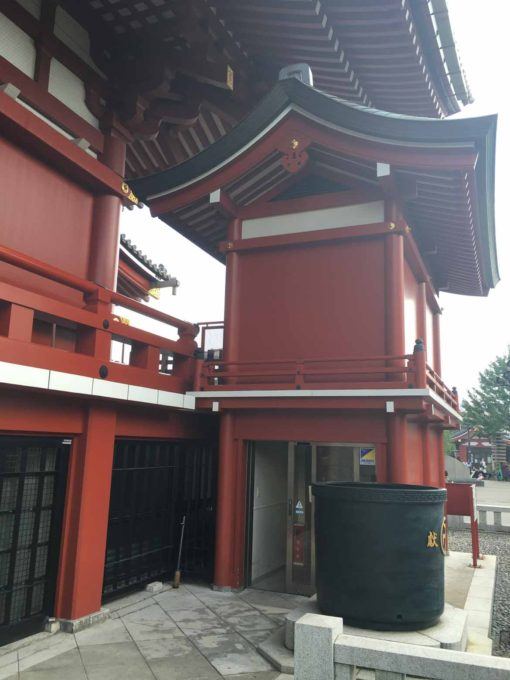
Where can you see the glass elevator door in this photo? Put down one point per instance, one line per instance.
(310, 462)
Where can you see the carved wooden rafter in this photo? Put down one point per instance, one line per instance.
(159, 72)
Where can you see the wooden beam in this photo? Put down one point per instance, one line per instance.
(220, 200)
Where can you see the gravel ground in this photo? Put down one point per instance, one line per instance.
(493, 544)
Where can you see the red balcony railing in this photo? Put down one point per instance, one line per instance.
(41, 331)
(360, 372)
(370, 372)
(211, 335)
(435, 383)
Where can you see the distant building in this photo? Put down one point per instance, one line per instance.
(473, 448)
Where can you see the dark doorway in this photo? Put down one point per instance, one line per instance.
(154, 484)
(32, 494)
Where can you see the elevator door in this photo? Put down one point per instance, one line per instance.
(309, 463)
(32, 494)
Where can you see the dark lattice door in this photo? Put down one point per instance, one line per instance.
(32, 491)
(142, 514)
(154, 483)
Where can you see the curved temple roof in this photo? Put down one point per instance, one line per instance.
(450, 163)
(191, 69)
(158, 271)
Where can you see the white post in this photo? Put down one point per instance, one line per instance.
(345, 671)
(314, 640)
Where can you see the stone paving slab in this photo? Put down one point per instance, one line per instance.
(269, 675)
(115, 661)
(177, 659)
(108, 632)
(67, 665)
(190, 633)
(178, 600)
(256, 637)
(150, 623)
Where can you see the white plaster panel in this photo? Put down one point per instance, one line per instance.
(70, 90)
(74, 35)
(145, 394)
(170, 399)
(314, 220)
(17, 46)
(70, 382)
(107, 388)
(25, 376)
(189, 402)
(53, 125)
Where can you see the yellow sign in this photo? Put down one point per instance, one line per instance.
(230, 78)
(122, 319)
(444, 537)
(126, 190)
(367, 456)
(432, 540)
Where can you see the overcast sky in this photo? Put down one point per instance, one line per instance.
(474, 330)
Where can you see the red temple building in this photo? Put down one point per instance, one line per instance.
(137, 276)
(341, 210)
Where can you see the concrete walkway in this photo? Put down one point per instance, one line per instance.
(195, 633)
(192, 633)
(494, 492)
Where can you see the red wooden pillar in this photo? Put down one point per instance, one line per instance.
(231, 340)
(104, 242)
(16, 322)
(441, 463)
(381, 463)
(437, 341)
(421, 314)
(80, 578)
(429, 462)
(397, 456)
(394, 287)
(395, 342)
(229, 563)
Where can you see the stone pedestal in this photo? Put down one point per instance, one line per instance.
(449, 633)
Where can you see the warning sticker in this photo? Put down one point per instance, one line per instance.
(299, 510)
(367, 456)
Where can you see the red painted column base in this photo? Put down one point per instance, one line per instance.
(396, 454)
(230, 519)
(80, 579)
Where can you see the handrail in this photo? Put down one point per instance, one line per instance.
(439, 386)
(371, 370)
(214, 372)
(273, 362)
(58, 275)
(135, 306)
(49, 271)
(405, 370)
(208, 326)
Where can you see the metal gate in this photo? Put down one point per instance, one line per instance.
(155, 483)
(32, 494)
